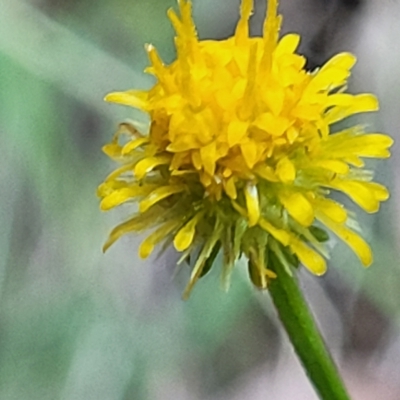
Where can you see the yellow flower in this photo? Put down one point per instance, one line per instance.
(242, 153)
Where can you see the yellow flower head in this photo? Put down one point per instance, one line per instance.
(241, 154)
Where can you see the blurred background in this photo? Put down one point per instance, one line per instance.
(76, 324)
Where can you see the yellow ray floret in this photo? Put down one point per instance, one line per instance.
(242, 151)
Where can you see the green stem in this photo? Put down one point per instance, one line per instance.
(304, 335)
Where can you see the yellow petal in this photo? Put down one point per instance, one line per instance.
(285, 170)
(147, 246)
(118, 172)
(113, 150)
(159, 194)
(287, 44)
(271, 29)
(184, 238)
(333, 74)
(134, 144)
(183, 139)
(370, 145)
(155, 60)
(364, 102)
(380, 192)
(266, 172)
(274, 125)
(342, 60)
(339, 99)
(230, 188)
(335, 211)
(298, 207)
(376, 145)
(208, 156)
(246, 109)
(252, 203)
(354, 160)
(206, 179)
(122, 195)
(227, 172)
(189, 29)
(242, 28)
(187, 50)
(135, 224)
(313, 261)
(249, 152)
(108, 187)
(279, 234)
(225, 99)
(360, 103)
(274, 98)
(178, 159)
(132, 98)
(366, 194)
(339, 167)
(236, 132)
(309, 112)
(328, 78)
(292, 134)
(354, 241)
(148, 164)
(196, 159)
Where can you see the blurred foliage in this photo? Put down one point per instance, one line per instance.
(77, 324)
(68, 327)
